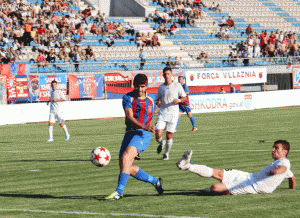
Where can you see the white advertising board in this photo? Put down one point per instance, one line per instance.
(243, 101)
(234, 76)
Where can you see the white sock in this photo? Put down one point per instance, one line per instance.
(66, 130)
(51, 132)
(201, 170)
(168, 146)
(159, 140)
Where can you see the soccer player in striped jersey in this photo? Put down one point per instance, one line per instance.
(185, 106)
(138, 107)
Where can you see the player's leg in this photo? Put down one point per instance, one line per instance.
(203, 171)
(160, 126)
(169, 143)
(190, 115)
(179, 115)
(51, 122)
(62, 124)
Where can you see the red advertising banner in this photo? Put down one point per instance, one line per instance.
(115, 78)
(3, 92)
(45, 85)
(17, 87)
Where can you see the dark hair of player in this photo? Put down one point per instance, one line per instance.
(166, 69)
(285, 145)
(54, 81)
(140, 79)
(180, 77)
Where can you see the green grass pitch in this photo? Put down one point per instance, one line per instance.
(51, 179)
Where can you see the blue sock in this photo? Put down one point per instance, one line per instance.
(177, 123)
(193, 122)
(123, 178)
(142, 176)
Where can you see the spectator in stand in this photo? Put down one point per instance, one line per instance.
(271, 50)
(143, 57)
(197, 3)
(161, 29)
(138, 39)
(174, 29)
(231, 58)
(232, 89)
(215, 7)
(27, 29)
(272, 38)
(165, 17)
(155, 41)
(265, 42)
(181, 20)
(223, 22)
(144, 39)
(89, 53)
(180, 8)
(249, 30)
(120, 31)
(87, 13)
(40, 59)
(51, 57)
(110, 41)
(256, 47)
(157, 18)
(295, 49)
(246, 56)
(203, 56)
(230, 23)
(129, 29)
(250, 43)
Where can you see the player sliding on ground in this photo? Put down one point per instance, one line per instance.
(185, 106)
(236, 182)
(169, 95)
(57, 96)
(138, 109)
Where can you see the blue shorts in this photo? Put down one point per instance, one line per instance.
(185, 109)
(138, 138)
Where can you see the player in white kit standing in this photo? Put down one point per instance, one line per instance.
(170, 94)
(57, 96)
(236, 182)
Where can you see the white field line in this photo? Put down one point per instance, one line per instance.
(93, 213)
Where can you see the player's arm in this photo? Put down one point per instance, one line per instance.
(181, 94)
(130, 118)
(62, 97)
(278, 170)
(158, 97)
(292, 182)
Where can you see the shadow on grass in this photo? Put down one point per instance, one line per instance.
(46, 160)
(101, 197)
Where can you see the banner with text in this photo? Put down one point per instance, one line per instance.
(243, 101)
(235, 76)
(44, 83)
(34, 88)
(17, 88)
(296, 77)
(86, 86)
(116, 78)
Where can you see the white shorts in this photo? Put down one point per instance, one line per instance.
(167, 122)
(56, 116)
(238, 182)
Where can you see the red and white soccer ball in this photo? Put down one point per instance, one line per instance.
(100, 156)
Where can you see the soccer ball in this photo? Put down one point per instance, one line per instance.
(100, 156)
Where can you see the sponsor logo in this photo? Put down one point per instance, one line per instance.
(192, 77)
(248, 101)
(260, 74)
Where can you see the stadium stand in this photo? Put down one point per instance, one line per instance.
(68, 36)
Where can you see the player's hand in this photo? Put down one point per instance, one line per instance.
(151, 128)
(176, 101)
(271, 173)
(54, 99)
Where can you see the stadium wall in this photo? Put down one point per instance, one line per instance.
(126, 8)
(77, 110)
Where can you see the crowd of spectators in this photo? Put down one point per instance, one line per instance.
(55, 29)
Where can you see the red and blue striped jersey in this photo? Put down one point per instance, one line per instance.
(186, 89)
(142, 109)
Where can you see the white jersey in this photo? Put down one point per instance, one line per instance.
(167, 94)
(55, 106)
(263, 183)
